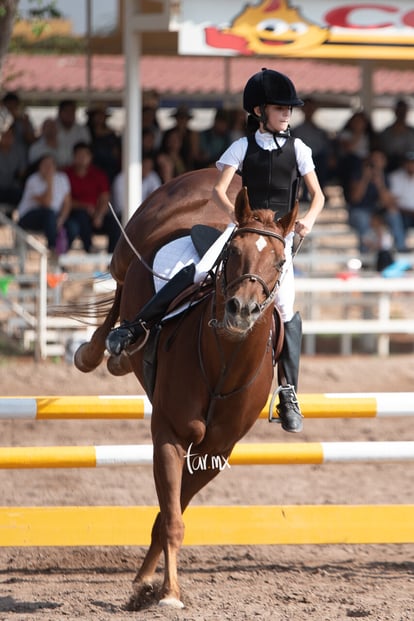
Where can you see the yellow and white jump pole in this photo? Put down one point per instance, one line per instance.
(329, 405)
(243, 454)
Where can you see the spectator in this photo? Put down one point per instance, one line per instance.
(398, 138)
(106, 144)
(315, 137)
(188, 137)
(237, 124)
(12, 170)
(402, 188)
(354, 143)
(169, 162)
(150, 122)
(214, 141)
(150, 182)
(368, 192)
(46, 143)
(46, 203)
(90, 194)
(379, 240)
(22, 125)
(69, 132)
(148, 142)
(357, 136)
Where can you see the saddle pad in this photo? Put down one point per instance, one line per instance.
(203, 237)
(172, 257)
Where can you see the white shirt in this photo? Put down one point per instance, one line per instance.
(36, 185)
(150, 183)
(40, 148)
(236, 152)
(66, 140)
(402, 186)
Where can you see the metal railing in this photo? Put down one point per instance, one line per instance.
(38, 321)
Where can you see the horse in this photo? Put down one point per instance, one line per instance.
(215, 362)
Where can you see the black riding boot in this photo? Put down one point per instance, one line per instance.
(130, 331)
(288, 372)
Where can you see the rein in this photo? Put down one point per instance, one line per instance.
(216, 393)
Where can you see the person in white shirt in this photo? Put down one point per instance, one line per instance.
(46, 143)
(151, 181)
(69, 132)
(46, 202)
(271, 163)
(401, 183)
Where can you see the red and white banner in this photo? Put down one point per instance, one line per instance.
(317, 29)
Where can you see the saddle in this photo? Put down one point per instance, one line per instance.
(203, 237)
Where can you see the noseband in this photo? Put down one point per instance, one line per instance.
(269, 293)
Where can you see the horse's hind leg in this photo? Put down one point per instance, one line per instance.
(89, 355)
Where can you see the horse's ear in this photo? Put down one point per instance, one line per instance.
(242, 207)
(287, 223)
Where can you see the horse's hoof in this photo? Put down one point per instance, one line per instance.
(171, 602)
(81, 361)
(144, 595)
(119, 365)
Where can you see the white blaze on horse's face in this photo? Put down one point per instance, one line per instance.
(261, 243)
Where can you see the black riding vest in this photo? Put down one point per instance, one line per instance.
(271, 177)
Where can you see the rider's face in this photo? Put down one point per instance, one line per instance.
(278, 117)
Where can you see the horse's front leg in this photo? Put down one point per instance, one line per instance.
(168, 529)
(145, 576)
(168, 467)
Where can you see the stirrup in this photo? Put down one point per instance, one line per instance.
(291, 422)
(116, 344)
(272, 408)
(140, 342)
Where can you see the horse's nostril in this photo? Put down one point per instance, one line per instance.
(233, 306)
(255, 309)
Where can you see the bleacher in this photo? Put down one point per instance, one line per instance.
(348, 310)
(30, 286)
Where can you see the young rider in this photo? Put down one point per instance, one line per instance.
(271, 163)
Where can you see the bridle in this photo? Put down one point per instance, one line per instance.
(220, 273)
(226, 286)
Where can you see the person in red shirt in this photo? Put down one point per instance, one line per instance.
(90, 195)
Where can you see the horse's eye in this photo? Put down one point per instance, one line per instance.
(233, 251)
(279, 264)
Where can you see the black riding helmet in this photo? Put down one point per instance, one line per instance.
(269, 87)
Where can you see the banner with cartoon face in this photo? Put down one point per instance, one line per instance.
(317, 29)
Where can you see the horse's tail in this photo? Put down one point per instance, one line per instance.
(86, 310)
(89, 355)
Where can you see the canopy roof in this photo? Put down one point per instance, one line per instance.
(190, 79)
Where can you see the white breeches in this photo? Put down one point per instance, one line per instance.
(285, 297)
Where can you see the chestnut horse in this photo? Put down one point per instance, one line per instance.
(215, 362)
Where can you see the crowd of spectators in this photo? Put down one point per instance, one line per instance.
(61, 178)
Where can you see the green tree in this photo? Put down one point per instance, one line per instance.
(8, 12)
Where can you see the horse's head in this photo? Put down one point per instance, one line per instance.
(253, 260)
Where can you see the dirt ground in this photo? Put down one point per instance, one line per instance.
(282, 583)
